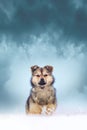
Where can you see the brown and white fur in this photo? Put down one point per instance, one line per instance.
(42, 98)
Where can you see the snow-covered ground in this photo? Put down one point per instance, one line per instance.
(23, 122)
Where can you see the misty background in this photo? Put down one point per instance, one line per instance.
(49, 32)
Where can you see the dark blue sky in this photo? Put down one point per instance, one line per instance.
(18, 18)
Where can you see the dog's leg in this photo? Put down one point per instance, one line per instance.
(34, 109)
(27, 106)
(27, 109)
(50, 108)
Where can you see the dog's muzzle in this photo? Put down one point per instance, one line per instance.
(42, 82)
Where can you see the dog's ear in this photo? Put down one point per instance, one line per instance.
(33, 68)
(49, 68)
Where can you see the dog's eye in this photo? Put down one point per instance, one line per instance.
(38, 75)
(45, 75)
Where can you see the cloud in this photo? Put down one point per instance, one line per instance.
(20, 19)
(4, 74)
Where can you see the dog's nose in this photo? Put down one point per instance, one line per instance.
(42, 82)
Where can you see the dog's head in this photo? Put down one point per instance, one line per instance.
(42, 76)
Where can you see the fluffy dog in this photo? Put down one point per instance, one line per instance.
(42, 98)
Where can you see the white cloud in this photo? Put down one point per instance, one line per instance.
(78, 3)
(8, 9)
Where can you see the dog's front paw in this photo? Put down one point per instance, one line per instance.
(50, 109)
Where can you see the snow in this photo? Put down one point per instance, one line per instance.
(24, 122)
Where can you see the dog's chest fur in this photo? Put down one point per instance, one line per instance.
(43, 96)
